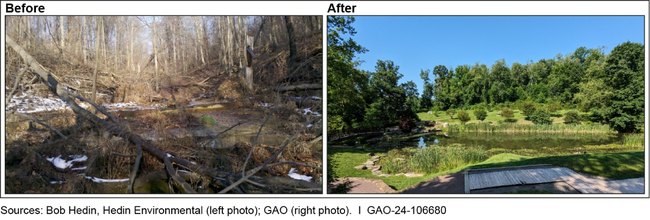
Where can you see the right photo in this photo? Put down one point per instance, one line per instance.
(485, 105)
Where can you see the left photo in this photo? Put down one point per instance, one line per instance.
(163, 104)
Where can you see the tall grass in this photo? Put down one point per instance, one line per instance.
(552, 128)
(633, 140)
(431, 159)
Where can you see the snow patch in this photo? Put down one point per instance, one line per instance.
(63, 164)
(100, 180)
(79, 168)
(306, 111)
(293, 174)
(266, 105)
(28, 102)
(122, 105)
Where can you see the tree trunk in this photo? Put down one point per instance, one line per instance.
(99, 25)
(62, 33)
(300, 87)
(155, 57)
(249, 61)
(292, 42)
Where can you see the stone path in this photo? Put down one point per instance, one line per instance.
(370, 164)
(365, 185)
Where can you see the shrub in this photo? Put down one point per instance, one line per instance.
(572, 117)
(463, 116)
(507, 113)
(406, 125)
(480, 113)
(527, 108)
(541, 117)
(554, 107)
(451, 112)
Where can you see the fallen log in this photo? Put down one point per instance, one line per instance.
(114, 129)
(301, 87)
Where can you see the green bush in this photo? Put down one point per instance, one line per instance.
(451, 112)
(480, 113)
(527, 108)
(572, 117)
(507, 113)
(554, 107)
(541, 117)
(463, 116)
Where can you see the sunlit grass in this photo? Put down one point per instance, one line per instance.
(522, 124)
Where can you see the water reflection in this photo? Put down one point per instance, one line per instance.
(422, 144)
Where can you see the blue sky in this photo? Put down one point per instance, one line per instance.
(423, 42)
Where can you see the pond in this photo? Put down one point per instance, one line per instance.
(526, 143)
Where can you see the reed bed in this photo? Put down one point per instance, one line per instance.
(431, 159)
(634, 140)
(532, 128)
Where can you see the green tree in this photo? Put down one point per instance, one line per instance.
(442, 87)
(463, 116)
(541, 116)
(412, 94)
(565, 76)
(344, 81)
(527, 108)
(501, 88)
(572, 117)
(427, 92)
(520, 74)
(625, 68)
(480, 113)
(390, 105)
(451, 112)
(508, 114)
(554, 106)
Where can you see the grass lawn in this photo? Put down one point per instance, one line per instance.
(492, 116)
(610, 165)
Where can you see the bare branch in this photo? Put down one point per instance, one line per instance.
(172, 173)
(99, 108)
(257, 169)
(13, 90)
(136, 167)
(224, 131)
(250, 153)
(295, 163)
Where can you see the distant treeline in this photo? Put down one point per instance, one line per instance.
(609, 86)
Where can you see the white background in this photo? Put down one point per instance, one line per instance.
(457, 206)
